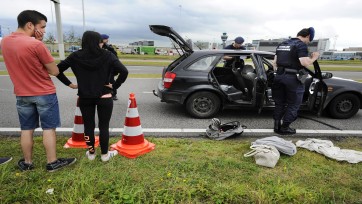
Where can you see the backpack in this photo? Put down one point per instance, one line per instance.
(218, 131)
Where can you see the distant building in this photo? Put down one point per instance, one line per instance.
(341, 55)
(143, 43)
(319, 45)
(353, 49)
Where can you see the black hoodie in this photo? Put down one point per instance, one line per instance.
(93, 73)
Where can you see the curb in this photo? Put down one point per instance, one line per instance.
(184, 132)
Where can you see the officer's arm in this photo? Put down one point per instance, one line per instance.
(275, 67)
(228, 58)
(307, 61)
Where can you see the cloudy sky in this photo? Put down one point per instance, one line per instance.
(200, 20)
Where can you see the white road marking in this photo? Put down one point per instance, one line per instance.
(187, 130)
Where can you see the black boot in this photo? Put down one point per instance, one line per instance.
(277, 125)
(286, 130)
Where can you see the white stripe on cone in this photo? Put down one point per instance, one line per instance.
(77, 112)
(78, 128)
(132, 113)
(132, 131)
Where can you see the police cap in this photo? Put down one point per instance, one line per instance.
(104, 36)
(311, 33)
(239, 40)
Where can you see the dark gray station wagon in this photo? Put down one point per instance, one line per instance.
(203, 82)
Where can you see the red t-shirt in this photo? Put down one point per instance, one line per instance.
(24, 58)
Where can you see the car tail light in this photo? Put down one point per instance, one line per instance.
(168, 79)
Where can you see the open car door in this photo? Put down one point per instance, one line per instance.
(260, 82)
(173, 35)
(317, 91)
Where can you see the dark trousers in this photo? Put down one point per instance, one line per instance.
(287, 93)
(104, 108)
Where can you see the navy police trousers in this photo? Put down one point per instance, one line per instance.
(287, 93)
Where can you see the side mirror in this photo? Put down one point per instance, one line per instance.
(327, 75)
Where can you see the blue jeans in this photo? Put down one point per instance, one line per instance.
(32, 108)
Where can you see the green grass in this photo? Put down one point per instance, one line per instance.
(183, 171)
(151, 60)
(346, 62)
(341, 68)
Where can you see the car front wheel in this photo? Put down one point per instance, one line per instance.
(344, 106)
(203, 104)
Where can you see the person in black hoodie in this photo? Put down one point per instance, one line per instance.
(93, 68)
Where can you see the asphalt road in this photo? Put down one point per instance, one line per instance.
(154, 114)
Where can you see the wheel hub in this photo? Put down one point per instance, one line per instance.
(203, 104)
(345, 106)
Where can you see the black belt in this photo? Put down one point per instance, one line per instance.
(282, 70)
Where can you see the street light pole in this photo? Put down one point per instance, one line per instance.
(59, 28)
(83, 16)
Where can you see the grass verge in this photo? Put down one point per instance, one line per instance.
(183, 171)
(347, 69)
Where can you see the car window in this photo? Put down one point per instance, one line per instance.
(202, 64)
(268, 64)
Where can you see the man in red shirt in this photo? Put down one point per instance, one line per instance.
(29, 64)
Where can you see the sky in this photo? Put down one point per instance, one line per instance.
(127, 21)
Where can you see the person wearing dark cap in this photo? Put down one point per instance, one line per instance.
(290, 61)
(236, 45)
(107, 46)
(110, 48)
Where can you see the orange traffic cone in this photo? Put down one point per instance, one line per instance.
(133, 143)
(77, 140)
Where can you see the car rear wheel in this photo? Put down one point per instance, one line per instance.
(203, 104)
(344, 106)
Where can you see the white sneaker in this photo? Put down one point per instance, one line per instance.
(90, 156)
(110, 154)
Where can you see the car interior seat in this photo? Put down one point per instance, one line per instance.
(248, 74)
(237, 67)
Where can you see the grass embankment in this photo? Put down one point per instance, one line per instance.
(183, 171)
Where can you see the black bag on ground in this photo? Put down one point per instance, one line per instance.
(218, 131)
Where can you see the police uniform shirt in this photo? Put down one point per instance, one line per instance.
(231, 47)
(289, 52)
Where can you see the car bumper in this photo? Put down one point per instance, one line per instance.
(166, 95)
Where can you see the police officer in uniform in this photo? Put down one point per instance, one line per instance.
(290, 60)
(112, 50)
(236, 45)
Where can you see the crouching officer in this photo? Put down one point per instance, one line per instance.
(290, 60)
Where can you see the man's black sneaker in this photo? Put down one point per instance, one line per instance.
(60, 163)
(25, 166)
(5, 160)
